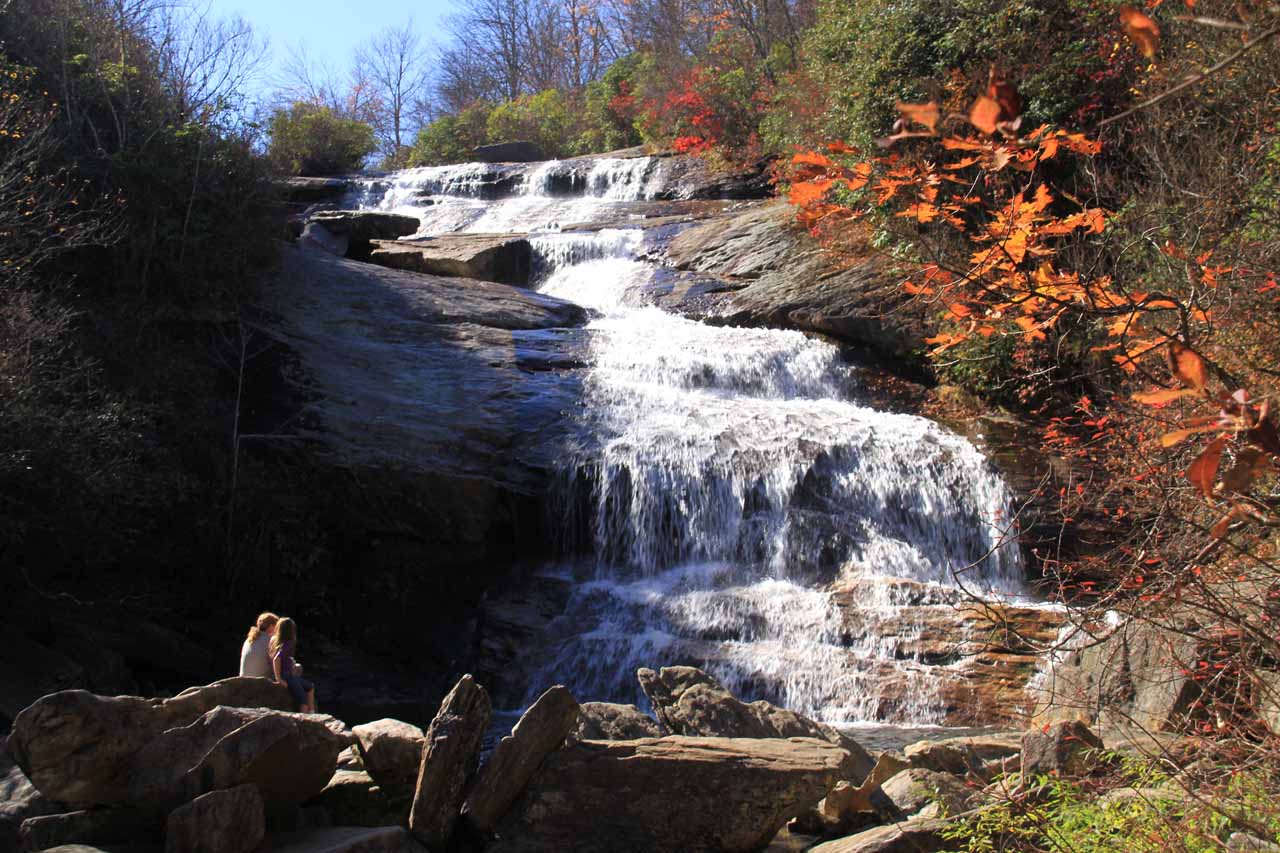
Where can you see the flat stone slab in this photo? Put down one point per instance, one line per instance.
(345, 839)
(504, 258)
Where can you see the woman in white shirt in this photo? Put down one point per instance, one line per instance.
(255, 656)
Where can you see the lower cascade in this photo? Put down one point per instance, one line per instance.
(726, 504)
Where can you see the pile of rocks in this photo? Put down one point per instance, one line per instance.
(224, 769)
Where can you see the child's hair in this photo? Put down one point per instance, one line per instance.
(266, 622)
(286, 632)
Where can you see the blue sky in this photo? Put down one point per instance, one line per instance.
(331, 29)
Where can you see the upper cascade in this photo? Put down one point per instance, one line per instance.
(721, 483)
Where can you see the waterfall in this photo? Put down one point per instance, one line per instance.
(726, 483)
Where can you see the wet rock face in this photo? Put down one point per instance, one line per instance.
(670, 794)
(787, 281)
(352, 232)
(978, 660)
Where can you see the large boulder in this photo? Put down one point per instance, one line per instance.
(1136, 674)
(30, 670)
(911, 790)
(352, 798)
(1062, 749)
(846, 802)
(670, 794)
(19, 800)
(962, 755)
(391, 751)
(689, 702)
(79, 748)
(227, 821)
(504, 258)
(541, 730)
(913, 836)
(359, 229)
(90, 826)
(289, 757)
(448, 759)
(612, 721)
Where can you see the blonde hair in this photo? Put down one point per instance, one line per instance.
(266, 621)
(286, 632)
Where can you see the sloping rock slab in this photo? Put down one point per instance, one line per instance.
(448, 758)
(670, 794)
(19, 800)
(345, 839)
(791, 282)
(914, 836)
(90, 826)
(78, 748)
(541, 730)
(503, 258)
(689, 702)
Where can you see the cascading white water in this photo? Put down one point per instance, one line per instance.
(725, 481)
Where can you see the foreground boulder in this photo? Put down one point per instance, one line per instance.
(289, 757)
(391, 752)
(229, 821)
(352, 798)
(503, 258)
(19, 800)
(1063, 749)
(448, 758)
(79, 748)
(670, 794)
(611, 721)
(689, 702)
(846, 804)
(959, 756)
(909, 792)
(541, 730)
(91, 826)
(913, 836)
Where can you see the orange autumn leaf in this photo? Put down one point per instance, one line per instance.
(1204, 471)
(922, 114)
(1144, 32)
(1169, 439)
(809, 192)
(1187, 366)
(984, 114)
(1162, 395)
(812, 158)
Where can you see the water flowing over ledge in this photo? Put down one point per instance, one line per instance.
(723, 484)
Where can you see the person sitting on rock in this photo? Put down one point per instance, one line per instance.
(255, 657)
(287, 670)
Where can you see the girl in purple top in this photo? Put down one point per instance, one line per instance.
(287, 670)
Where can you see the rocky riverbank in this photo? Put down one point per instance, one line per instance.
(226, 769)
